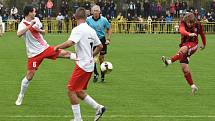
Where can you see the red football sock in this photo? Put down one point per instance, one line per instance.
(188, 78)
(176, 57)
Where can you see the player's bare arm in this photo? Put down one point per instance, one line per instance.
(109, 33)
(97, 50)
(64, 45)
(40, 30)
(20, 33)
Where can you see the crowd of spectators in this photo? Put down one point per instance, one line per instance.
(131, 10)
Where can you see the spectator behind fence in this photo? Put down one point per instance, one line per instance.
(75, 5)
(87, 5)
(106, 8)
(202, 13)
(13, 11)
(159, 10)
(140, 25)
(213, 6)
(129, 19)
(177, 8)
(49, 22)
(119, 19)
(66, 20)
(73, 20)
(60, 19)
(1, 8)
(49, 6)
(153, 8)
(64, 8)
(42, 8)
(131, 8)
(4, 19)
(184, 7)
(169, 22)
(138, 8)
(146, 7)
(162, 23)
(205, 22)
(112, 11)
(172, 8)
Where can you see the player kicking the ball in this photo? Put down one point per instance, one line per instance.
(190, 27)
(36, 47)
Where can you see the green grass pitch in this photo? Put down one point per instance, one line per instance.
(139, 88)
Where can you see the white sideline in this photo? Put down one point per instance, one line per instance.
(111, 116)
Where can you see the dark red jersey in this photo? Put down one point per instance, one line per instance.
(185, 31)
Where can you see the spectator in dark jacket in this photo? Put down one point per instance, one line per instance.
(146, 7)
(213, 6)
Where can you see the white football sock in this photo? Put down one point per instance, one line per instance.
(76, 112)
(90, 101)
(73, 56)
(24, 86)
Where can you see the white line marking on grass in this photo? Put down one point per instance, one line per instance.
(110, 116)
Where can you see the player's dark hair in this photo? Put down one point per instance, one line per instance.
(80, 13)
(27, 9)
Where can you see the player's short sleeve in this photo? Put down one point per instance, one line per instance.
(107, 24)
(75, 35)
(38, 24)
(21, 27)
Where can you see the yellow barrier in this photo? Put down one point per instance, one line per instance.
(117, 27)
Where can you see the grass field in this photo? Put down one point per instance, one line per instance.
(140, 88)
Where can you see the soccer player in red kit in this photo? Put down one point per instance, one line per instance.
(190, 28)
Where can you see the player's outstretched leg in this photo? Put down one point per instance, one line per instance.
(166, 61)
(99, 112)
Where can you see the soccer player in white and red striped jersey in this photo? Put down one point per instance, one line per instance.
(84, 38)
(36, 47)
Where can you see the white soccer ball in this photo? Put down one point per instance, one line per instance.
(106, 67)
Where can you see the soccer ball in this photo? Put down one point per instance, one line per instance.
(106, 67)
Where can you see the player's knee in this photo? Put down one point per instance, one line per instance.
(183, 49)
(30, 75)
(81, 95)
(185, 70)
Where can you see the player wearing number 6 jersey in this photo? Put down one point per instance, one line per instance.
(84, 38)
(36, 47)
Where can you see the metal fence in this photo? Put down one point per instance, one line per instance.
(117, 27)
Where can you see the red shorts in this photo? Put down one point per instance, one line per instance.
(34, 62)
(192, 48)
(79, 79)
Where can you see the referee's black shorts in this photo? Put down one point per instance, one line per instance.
(104, 49)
